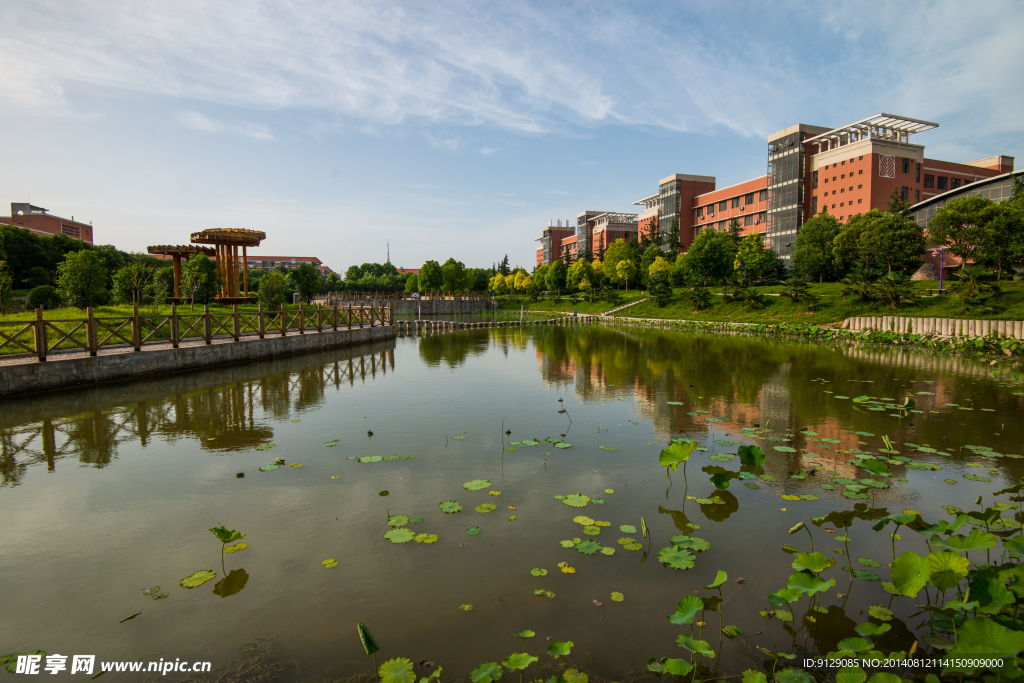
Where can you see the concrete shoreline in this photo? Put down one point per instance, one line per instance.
(34, 377)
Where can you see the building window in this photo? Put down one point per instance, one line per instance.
(833, 206)
(906, 165)
(917, 173)
(843, 177)
(814, 205)
(929, 180)
(700, 212)
(860, 172)
(735, 202)
(759, 218)
(860, 158)
(842, 190)
(844, 163)
(748, 219)
(722, 206)
(815, 174)
(833, 191)
(763, 194)
(954, 183)
(859, 201)
(917, 196)
(840, 205)
(826, 180)
(904, 193)
(711, 210)
(748, 199)
(942, 182)
(860, 187)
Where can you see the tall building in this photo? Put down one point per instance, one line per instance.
(39, 221)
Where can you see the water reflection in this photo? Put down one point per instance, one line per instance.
(217, 408)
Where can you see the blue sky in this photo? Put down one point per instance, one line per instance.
(458, 128)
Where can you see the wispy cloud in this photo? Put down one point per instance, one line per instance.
(488, 151)
(526, 66)
(450, 144)
(204, 124)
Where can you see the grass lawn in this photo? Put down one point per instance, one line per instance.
(565, 304)
(831, 308)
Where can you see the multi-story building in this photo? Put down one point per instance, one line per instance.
(290, 262)
(551, 241)
(846, 171)
(594, 231)
(39, 221)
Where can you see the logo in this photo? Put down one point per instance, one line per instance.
(886, 166)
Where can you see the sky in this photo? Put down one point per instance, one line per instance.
(459, 129)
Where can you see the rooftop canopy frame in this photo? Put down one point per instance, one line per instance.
(888, 127)
(226, 242)
(177, 253)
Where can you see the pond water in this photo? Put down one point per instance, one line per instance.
(111, 490)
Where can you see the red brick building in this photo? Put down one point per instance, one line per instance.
(39, 221)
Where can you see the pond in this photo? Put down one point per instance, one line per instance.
(518, 469)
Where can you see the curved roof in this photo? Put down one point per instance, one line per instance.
(180, 249)
(966, 190)
(234, 236)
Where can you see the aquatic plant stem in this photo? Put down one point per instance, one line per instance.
(811, 537)
(376, 671)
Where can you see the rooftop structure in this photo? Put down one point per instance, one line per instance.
(226, 242)
(39, 221)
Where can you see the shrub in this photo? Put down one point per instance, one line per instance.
(46, 296)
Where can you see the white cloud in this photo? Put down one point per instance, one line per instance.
(488, 151)
(450, 144)
(204, 124)
(525, 66)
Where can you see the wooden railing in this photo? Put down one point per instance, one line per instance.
(42, 337)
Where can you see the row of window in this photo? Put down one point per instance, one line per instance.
(748, 220)
(734, 203)
(843, 163)
(940, 182)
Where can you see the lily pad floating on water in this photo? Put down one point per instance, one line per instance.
(269, 468)
(576, 500)
(236, 547)
(597, 501)
(591, 530)
(449, 507)
(617, 596)
(330, 562)
(607, 551)
(476, 485)
(675, 403)
(295, 464)
(456, 438)
(494, 493)
(690, 543)
(583, 519)
(400, 535)
(331, 444)
(676, 558)
(197, 578)
(627, 529)
(425, 538)
(466, 608)
(785, 449)
(265, 447)
(865, 575)
(563, 444)
(473, 531)
(608, 448)
(974, 477)
(370, 458)
(588, 547)
(537, 571)
(398, 520)
(486, 507)
(868, 562)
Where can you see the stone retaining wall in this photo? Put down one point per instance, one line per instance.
(25, 378)
(941, 327)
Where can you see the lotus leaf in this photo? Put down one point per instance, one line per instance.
(591, 530)
(676, 558)
(538, 591)
(563, 445)
(331, 444)
(398, 520)
(785, 449)
(600, 523)
(574, 676)
(449, 507)
(855, 644)
(473, 531)
(630, 529)
(784, 596)
(466, 607)
(866, 575)
(788, 496)
(793, 675)
(816, 562)
(576, 500)
(486, 673)
(588, 547)
(947, 569)
(268, 468)
(476, 485)
(808, 583)
(984, 637)
(485, 507)
(236, 547)
(197, 578)
(783, 615)
(330, 562)
(518, 660)
(974, 477)
(868, 562)
(751, 676)
(264, 446)
(371, 458)
(691, 543)
(633, 546)
(991, 594)
(583, 519)
(871, 629)
(699, 647)
(567, 543)
(537, 571)
(720, 481)
(676, 454)
(910, 573)
(617, 597)
(750, 485)
(397, 670)
(607, 551)
(597, 501)
(851, 674)
(400, 535)
(686, 610)
(976, 540)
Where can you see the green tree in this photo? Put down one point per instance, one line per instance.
(959, 226)
(44, 295)
(619, 250)
(556, 276)
(272, 290)
(452, 275)
(307, 280)
(710, 257)
(879, 237)
(648, 257)
(37, 277)
(625, 269)
(199, 280)
(578, 272)
(130, 282)
(755, 258)
(430, 278)
(671, 239)
(6, 286)
(897, 206)
(1002, 243)
(735, 232)
(412, 284)
(814, 254)
(82, 278)
(540, 276)
(503, 266)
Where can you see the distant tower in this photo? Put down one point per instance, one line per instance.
(389, 252)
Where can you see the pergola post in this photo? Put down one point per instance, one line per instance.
(176, 266)
(245, 270)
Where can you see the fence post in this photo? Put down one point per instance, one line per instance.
(136, 328)
(284, 324)
(175, 330)
(319, 319)
(91, 335)
(235, 322)
(302, 323)
(362, 312)
(334, 317)
(207, 324)
(348, 316)
(40, 334)
(261, 322)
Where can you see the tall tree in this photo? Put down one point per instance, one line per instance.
(710, 258)
(82, 278)
(307, 280)
(430, 277)
(6, 286)
(412, 284)
(813, 254)
(503, 266)
(199, 280)
(272, 290)
(130, 281)
(556, 277)
(756, 260)
(960, 226)
(452, 275)
(651, 253)
(619, 250)
(625, 269)
(735, 231)
(893, 239)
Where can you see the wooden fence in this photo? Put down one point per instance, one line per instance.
(41, 337)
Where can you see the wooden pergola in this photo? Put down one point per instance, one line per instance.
(226, 242)
(177, 253)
